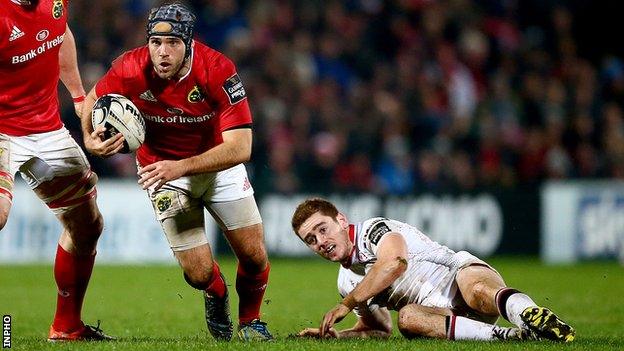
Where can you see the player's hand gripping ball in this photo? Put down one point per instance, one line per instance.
(119, 115)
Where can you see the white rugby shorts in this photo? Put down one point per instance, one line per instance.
(57, 149)
(227, 195)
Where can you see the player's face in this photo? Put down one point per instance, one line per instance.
(327, 236)
(167, 54)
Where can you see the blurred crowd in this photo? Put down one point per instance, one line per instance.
(396, 97)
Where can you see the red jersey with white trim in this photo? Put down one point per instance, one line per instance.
(30, 40)
(183, 117)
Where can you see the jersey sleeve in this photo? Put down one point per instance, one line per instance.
(113, 81)
(375, 232)
(230, 96)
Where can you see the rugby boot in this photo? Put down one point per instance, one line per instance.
(86, 333)
(256, 330)
(547, 325)
(218, 316)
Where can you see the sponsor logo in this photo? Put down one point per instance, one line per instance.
(163, 202)
(377, 231)
(32, 53)
(179, 119)
(63, 293)
(234, 89)
(57, 9)
(147, 96)
(246, 184)
(16, 33)
(195, 95)
(175, 111)
(42, 35)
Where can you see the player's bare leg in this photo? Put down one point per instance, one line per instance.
(478, 285)
(72, 198)
(432, 322)
(6, 180)
(200, 269)
(5, 208)
(484, 290)
(251, 279)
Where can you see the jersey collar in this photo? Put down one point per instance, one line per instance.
(191, 64)
(352, 240)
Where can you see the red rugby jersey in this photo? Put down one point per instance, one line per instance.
(30, 39)
(183, 118)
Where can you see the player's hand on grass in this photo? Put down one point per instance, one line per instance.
(159, 173)
(98, 146)
(334, 316)
(316, 333)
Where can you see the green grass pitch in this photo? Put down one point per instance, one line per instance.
(151, 308)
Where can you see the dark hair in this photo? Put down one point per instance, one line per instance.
(309, 207)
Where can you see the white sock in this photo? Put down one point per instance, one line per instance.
(515, 304)
(463, 328)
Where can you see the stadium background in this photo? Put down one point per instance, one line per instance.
(497, 126)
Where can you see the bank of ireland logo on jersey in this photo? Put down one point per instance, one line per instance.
(234, 89)
(195, 95)
(16, 33)
(57, 9)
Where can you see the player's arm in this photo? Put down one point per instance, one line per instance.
(70, 76)
(235, 149)
(370, 324)
(93, 139)
(391, 263)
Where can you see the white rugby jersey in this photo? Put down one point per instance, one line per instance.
(429, 279)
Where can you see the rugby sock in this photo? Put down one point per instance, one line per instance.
(250, 289)
(511, 303)
(72, 274)
(462, 328)
(216, 287)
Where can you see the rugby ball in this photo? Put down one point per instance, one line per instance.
(119, 115)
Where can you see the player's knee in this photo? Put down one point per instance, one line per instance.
(409, 322)
(4, 217)
(198, 277)
(480, 292)
(86, 231)
(97, 224)
(5, 208)
(254, 263)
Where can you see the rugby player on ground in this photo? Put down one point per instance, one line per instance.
(390, 265)
(198, 136)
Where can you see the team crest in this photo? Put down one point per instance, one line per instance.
(57, 9)
(163, 202)
(195, 95)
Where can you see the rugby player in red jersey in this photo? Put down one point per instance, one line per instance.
(198, 135)
(37, 48)
(438, 293)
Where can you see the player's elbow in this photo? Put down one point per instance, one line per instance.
(243, 153)
(397, 266)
